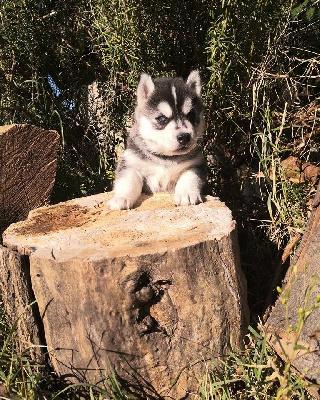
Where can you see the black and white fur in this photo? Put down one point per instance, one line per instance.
(163, 152)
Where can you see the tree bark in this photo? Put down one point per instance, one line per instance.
(156, 290)
(18, 297)
(293, 324)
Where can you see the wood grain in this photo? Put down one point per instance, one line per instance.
(28, 157)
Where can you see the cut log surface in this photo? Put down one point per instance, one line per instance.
(294, 323)
(154, 290)
(28, 157)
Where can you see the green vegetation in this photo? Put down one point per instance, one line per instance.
(74, 66)
(256, 372)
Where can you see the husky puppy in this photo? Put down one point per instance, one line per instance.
(163, 150)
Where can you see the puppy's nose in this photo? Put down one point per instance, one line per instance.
(183, 138)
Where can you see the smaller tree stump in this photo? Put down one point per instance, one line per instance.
(153, 290)
(28, 157)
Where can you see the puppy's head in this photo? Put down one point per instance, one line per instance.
(169, 113)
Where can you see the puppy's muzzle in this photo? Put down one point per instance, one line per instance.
(183, 138)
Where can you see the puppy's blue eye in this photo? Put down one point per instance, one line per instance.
(162, 119)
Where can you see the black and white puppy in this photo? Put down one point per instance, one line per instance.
(163, 152)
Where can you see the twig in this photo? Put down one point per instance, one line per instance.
(288, 249)
(285, 76)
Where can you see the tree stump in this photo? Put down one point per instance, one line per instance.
(294, 321)
(28, 157)
(154, 290)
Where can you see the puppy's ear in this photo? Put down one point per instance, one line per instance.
(145, 88)
(194, 82)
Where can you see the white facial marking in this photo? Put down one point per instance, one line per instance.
(165, 109)
(174, 94)
(146, 130)
(187, 106)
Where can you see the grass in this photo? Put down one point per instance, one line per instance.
(257, 372)
(254, 373)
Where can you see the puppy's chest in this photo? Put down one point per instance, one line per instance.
(159, 178)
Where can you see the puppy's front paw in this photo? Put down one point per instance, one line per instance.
(120, 203)
(186, 199)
